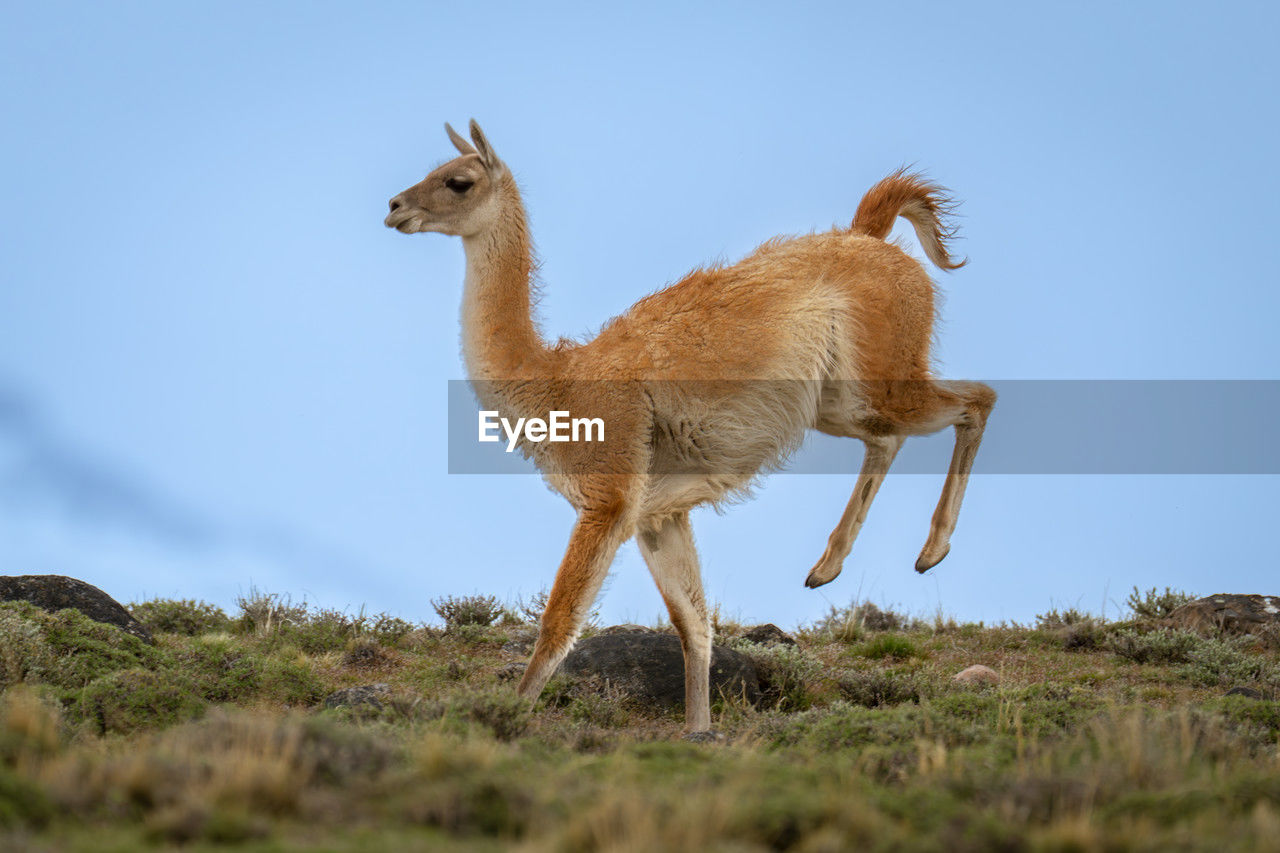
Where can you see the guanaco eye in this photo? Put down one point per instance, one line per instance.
(458, 185)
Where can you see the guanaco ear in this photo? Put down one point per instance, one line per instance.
(463, 146)
(490, 160)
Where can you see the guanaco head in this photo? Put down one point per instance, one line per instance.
(459, 198)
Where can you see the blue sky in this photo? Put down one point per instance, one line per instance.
(218, 368)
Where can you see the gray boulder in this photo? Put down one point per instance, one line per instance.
(649, 666)
(55, 592)
(1229, 613)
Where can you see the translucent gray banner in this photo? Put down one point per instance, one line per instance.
(1037, 427)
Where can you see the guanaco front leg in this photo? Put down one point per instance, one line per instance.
(673, 561)
(880, 454)
(595, 539)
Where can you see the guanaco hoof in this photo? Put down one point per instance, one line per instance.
(925, 563)
(817, 578)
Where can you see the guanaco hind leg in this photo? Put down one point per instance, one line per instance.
(879, 456)
(971, 403)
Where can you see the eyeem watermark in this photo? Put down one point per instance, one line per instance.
(1055, 426)
(559, 426)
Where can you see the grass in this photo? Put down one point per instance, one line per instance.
(1099, 736)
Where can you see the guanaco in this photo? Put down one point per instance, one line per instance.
(705, 384)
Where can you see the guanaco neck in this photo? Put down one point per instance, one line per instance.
(499, 338)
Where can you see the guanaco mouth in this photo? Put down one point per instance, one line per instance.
(404, 221)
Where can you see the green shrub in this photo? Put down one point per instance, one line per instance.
(967, 706)
(1220, 661)
(1263, 714)
(389, 630)
(291, 682)
(221, 671)
(787, 674)
(841, 725)
(482, 610)
(1051, 708)
(474, 634)
(187, 617)
(265, 613)
(1153, 646)
(1056, 619)
(1203, 660)
(606, 708)
(948, 719)
(72, 649)
(851, 623)
(278, 620)
(322, 631)
(133, 699)
(876, 687)
(559, 692)
(23, 651)
(503, 712)
(365, 653)
(533, 609)
(875, 619)
(888, 646)
(1156, 605)
(1082, 636)
(1072, 629)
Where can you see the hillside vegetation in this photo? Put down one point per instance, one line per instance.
(1099, 736)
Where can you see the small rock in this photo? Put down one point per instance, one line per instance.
(522, 633)
(511, 671)
(977, 675)
(56, 592)
(371, 695)
(521, 640)
(650, 666)
(703, 737)
(518, 648)
(1247, 692)
(366, 656)
(769, 634)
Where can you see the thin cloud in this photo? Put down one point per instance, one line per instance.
(44, 474)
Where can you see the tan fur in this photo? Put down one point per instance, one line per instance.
(705, 384)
